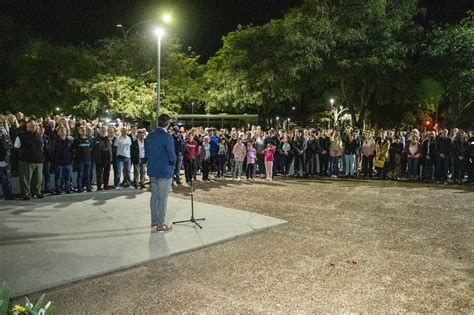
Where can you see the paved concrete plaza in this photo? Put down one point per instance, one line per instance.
(49, 242)
(348, 246)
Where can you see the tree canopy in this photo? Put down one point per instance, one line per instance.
(369, 55)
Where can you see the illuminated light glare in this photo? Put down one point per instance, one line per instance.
(159, 32)
(119, 25)
(167, 18)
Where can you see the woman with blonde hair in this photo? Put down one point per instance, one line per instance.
(381, 155)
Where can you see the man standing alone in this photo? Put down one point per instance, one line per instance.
(30, 146)
(161, 156)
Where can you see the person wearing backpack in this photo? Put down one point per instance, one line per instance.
(5, 147)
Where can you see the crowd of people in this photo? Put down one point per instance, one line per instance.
(35, 148)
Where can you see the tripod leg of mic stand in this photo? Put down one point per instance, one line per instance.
(192, 219)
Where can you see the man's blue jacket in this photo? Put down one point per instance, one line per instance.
(160, 153)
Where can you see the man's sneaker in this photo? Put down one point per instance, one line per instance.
(39, 196)
(118, 187)
(163, 228)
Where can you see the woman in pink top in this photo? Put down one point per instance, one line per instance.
(269, 153)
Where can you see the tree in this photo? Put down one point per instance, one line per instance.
(371, 42)
(42, 77)
(450, 49)
(250, 72)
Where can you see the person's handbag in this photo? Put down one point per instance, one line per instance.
(379, 163)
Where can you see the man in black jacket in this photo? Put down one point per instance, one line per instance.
(350, 147)
(82, 154)
(47, 159)
(298, 146)
(137, 151)
(179, 146)
(5, 145)
(31, 158)
(461, 155)
(443, 151)
(324, 144)
(61, 157)
(430, 155)
(102, 155)
(470, 171)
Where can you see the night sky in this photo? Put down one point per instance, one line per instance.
(198, 23)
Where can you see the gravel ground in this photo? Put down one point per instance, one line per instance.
(349, 246)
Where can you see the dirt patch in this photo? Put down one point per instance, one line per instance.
(349, 246)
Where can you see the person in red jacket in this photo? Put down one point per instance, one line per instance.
(191, 153)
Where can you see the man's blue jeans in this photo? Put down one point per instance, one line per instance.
(413, 167)
(349, 167)
(442, 169)
(123, 163)
(62, 177)
(221, 165)
(83, 179)
(6, 184)
(334, 165)
(177, 167)
(160, 188)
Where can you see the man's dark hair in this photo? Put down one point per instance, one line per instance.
(164, 120)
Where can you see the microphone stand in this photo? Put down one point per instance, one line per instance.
(192, 219)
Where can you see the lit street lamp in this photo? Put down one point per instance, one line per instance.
(331, 101)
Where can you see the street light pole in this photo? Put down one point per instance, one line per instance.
(192, 113)
(159, 33)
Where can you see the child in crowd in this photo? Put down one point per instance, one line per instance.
(251, 160)
(269, 154)
(240, 152)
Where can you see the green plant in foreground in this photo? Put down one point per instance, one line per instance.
(28, 309)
